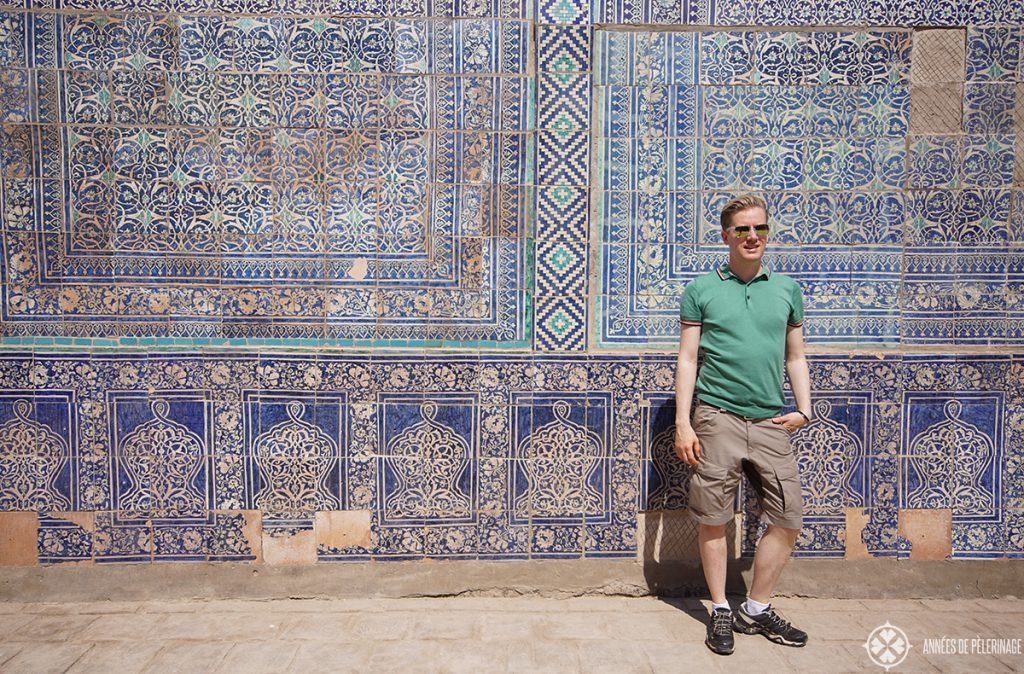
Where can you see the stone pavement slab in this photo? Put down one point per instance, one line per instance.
(508, 627)
(123, 627)
(52, 627)
(259, 658)
(487, 634)
(45, 657)
(187, 656)
(10, 623)
(104, 658)
(471, 657)
(315, 657)
(412, 655)
(612, 657)
(543, 656)
(318, 627)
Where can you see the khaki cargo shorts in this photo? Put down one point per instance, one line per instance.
(732, 445)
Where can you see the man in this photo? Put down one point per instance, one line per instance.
(747, 321)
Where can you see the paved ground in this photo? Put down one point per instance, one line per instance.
(487, 635)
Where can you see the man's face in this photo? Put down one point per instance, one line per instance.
(751, 245)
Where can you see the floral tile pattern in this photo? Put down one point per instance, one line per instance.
(447, 239)
(348, 179)
(494, 457)
(822, 135)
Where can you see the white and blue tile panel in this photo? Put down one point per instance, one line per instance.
(274, 424)
(681, 12)
(489, 457)
(352, 180)
(930, 13)
(563, 174)
(505, 9)
(897, 240)
(813, 123)
(943, 419)
(881, 427)
(818, 121)
(564, 12)
(646, 94)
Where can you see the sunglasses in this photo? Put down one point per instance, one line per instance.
(743, 231)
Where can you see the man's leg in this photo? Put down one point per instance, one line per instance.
(714, 557)
(712, 494)
(775, 476)
(772, 554)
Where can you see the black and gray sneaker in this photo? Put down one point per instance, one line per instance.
(720, 639)
(772, 625)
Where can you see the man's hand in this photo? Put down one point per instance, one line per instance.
(687, 445)
(791, 422)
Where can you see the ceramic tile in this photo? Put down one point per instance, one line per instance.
(418, 175)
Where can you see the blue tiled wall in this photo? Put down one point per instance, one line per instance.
(421, 261)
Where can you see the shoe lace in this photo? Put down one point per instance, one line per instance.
(721, 622)
(776, 621)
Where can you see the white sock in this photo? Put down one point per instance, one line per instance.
(753, 608)
(724, 606)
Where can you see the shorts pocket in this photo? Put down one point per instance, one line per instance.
(787, 475)
(703, 415)
(708, 486)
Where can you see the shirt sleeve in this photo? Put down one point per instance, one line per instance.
(690, 311)
(796, 307)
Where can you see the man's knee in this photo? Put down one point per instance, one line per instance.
(789, 532)
(708, 531)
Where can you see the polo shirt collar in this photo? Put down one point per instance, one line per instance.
(725, 273)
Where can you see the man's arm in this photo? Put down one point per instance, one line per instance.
(687, 445)
(799, 379)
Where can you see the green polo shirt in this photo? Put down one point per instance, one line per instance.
(743, 338)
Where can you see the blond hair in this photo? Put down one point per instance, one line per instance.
(741, 203)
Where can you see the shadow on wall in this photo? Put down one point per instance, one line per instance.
(666, 531)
